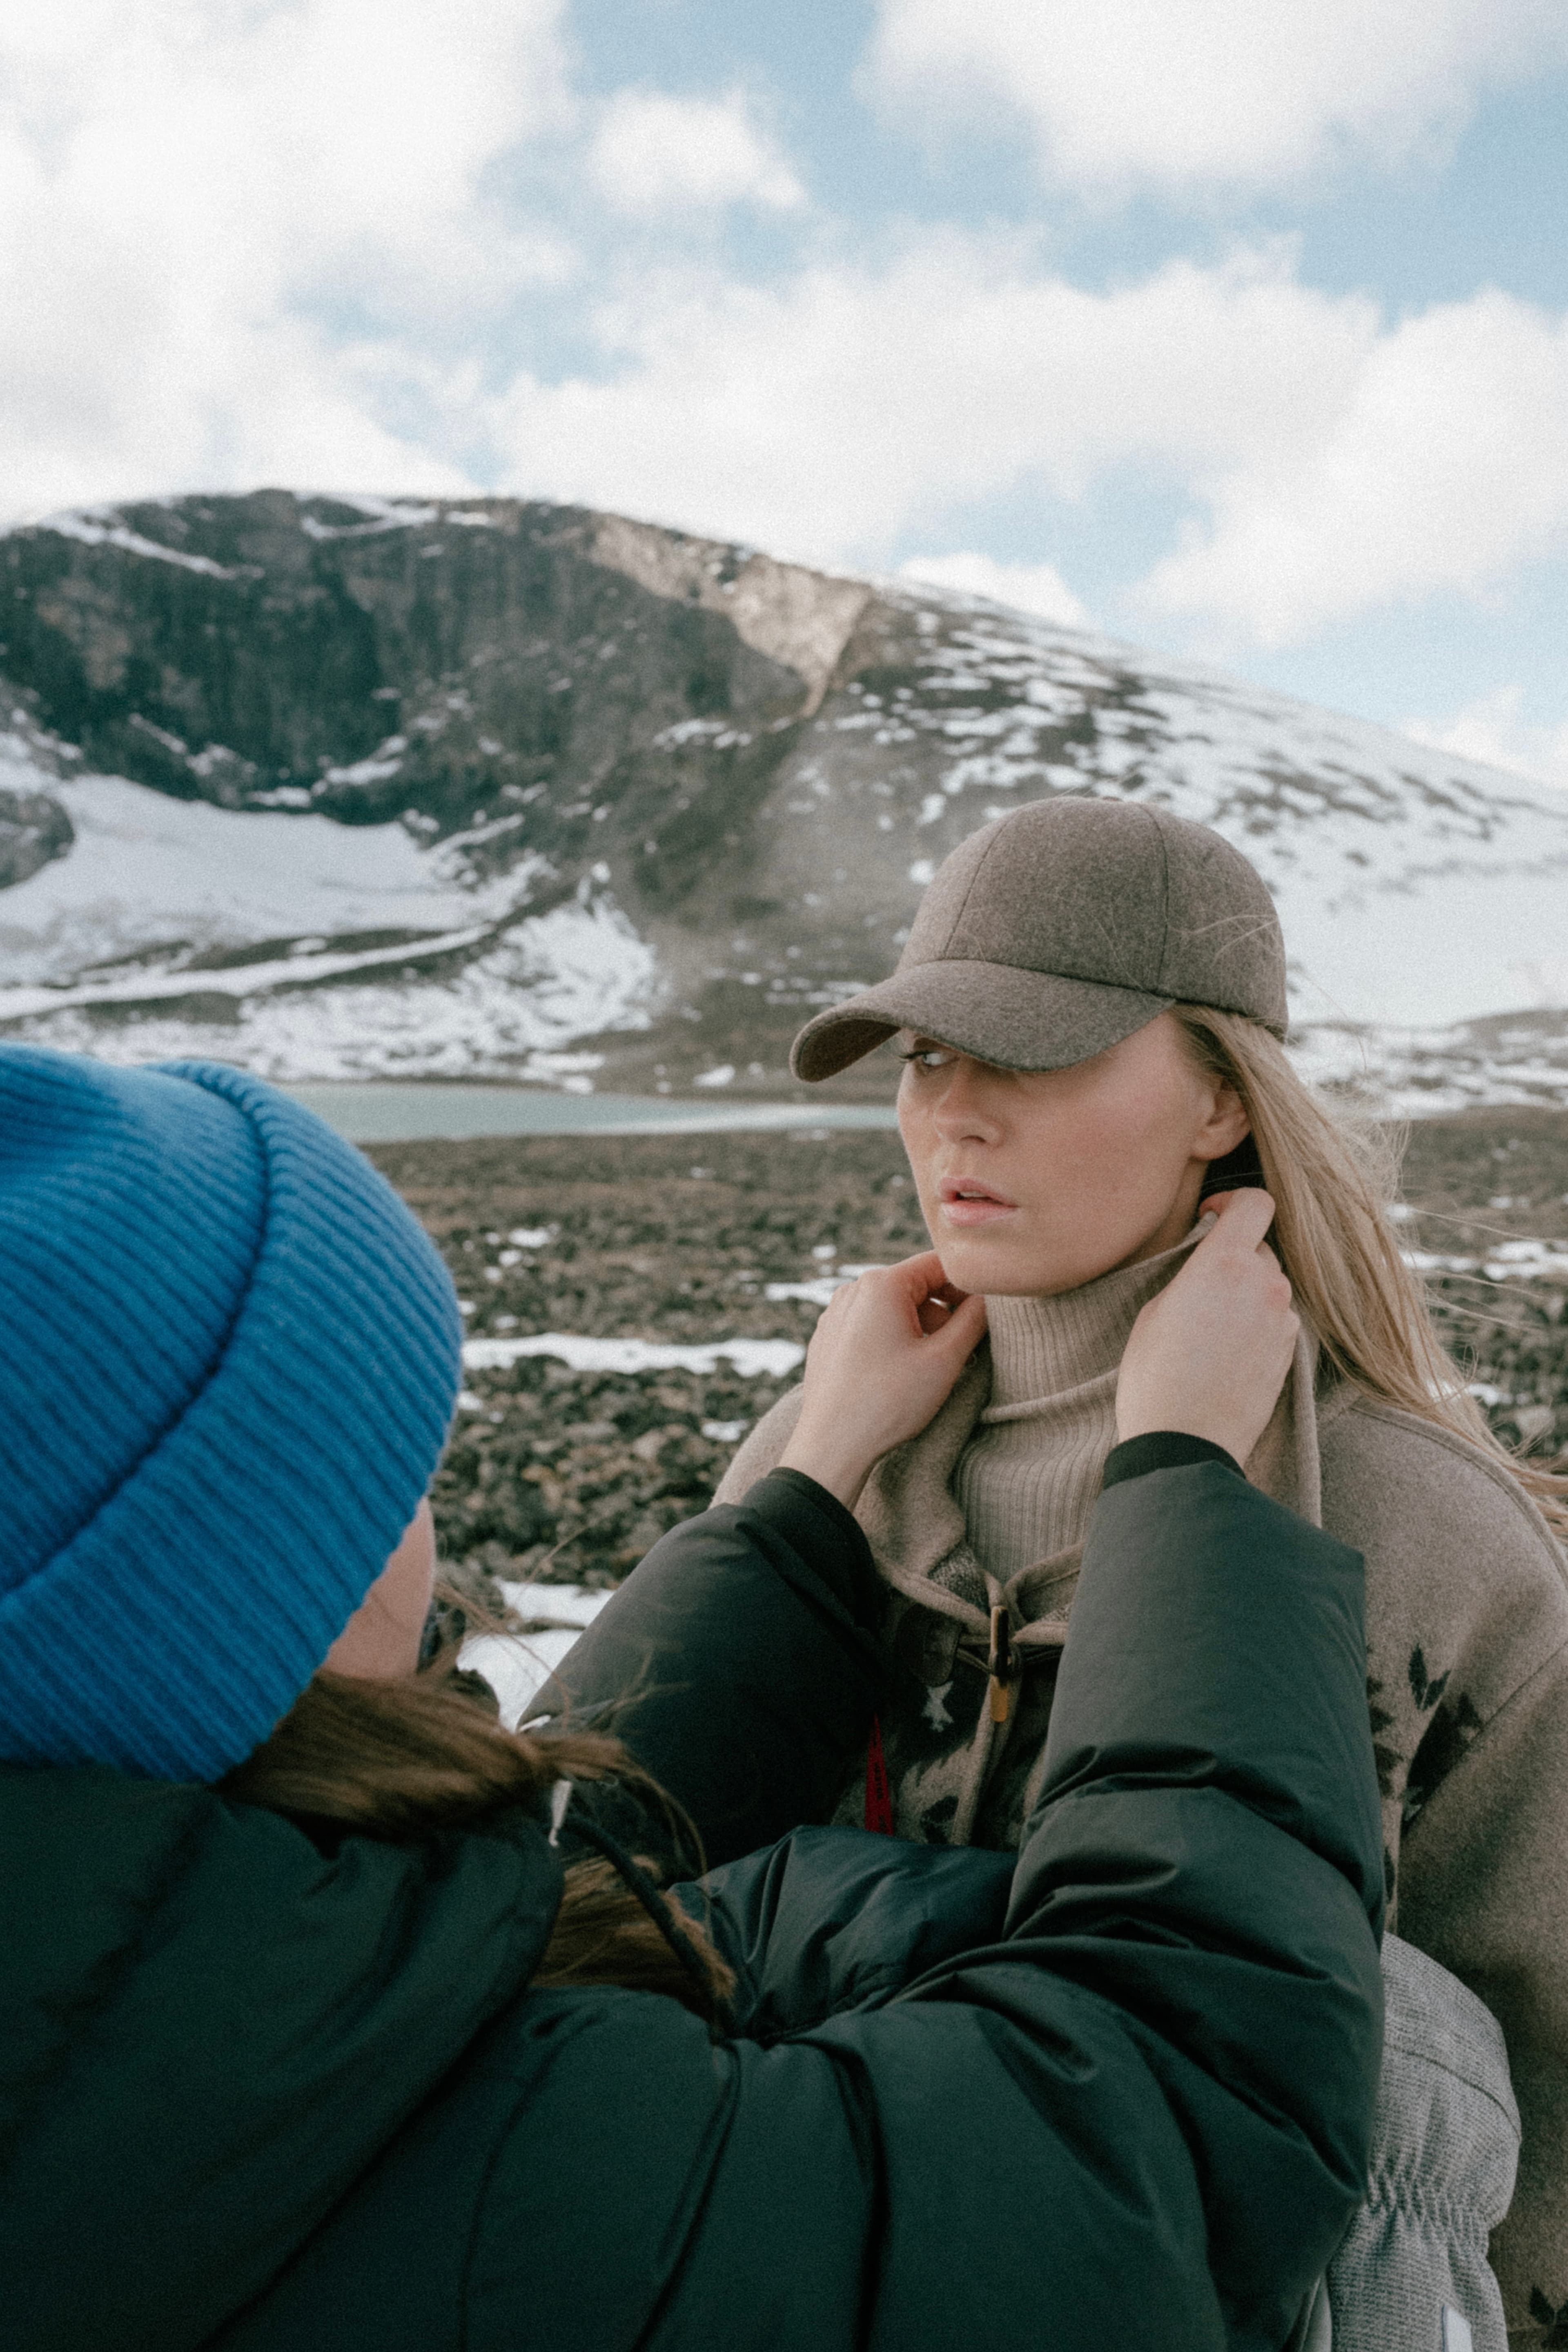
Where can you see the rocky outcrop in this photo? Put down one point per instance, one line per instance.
(33, 829)
(247, 650)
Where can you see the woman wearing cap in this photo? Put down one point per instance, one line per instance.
(333, 2016)
(1090, 1006)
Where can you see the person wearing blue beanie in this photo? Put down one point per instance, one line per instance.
(231, 1359)
(335, 2017)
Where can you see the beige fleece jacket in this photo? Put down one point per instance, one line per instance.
(1468, 1686)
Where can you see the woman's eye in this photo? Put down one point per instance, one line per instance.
(927, 1058)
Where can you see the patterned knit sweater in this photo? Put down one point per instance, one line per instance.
(1468, 1667)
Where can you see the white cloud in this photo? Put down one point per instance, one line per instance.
(1493, 729)
(249, 240)
(833, 412)
(1332, 463)
(1442, 466)
(653, 154)
(187, 186)
(1027, 587)
(1197, 94)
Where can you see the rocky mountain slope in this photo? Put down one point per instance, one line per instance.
(350, 787)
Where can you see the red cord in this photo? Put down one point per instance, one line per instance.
(879, 1796)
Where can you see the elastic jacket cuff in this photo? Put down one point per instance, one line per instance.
(816, 1527)
(1164, 1449)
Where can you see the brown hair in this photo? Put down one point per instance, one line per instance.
(402, 1760)
(1333, 1181)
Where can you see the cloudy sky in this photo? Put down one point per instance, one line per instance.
(1236, 327)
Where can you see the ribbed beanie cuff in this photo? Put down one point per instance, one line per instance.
(232, 1356)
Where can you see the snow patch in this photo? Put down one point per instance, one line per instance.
(557, 1604)
(88, 523)
(1507, 1262)
(148, 872)
(1518, 1059)
(238, 980)
(750, 1358)
(362, 771)
(820, 1289)
(381, 514)
(548, 980)
(154, 890)
(516, 1666)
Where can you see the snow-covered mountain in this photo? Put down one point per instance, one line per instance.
(347, 787)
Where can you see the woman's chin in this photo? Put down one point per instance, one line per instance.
(996, 1266)
(997, 1270)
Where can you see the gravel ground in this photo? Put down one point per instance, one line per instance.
(1482, 1186)
(556, 1475)
(570, 1476)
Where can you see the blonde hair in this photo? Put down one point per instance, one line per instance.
(1333, 1181)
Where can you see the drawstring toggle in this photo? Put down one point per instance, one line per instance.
(1002, 1664)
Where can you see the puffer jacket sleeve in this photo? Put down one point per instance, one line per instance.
(741, 1665)
(1207, 1857)
(1175, 2043)
(1138, 2115)
(832, 1919)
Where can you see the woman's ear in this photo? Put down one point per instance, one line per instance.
(382, 1637)
(1226, 1125)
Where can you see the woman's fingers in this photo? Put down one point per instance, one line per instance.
(1210, 1354)
(959, 1327)
(938, 1303)
(885, 1354)
(1242, 1218)
(936, 1309)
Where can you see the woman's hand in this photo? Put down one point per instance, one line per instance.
(1209, 1356)
(883, 1358)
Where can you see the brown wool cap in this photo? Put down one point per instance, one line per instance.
(1061, 929)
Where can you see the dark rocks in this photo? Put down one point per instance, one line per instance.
(527, 1496)
(572, 1475)
(33, 830)
(1484, 1179)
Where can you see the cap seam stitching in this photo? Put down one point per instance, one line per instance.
(974, 885)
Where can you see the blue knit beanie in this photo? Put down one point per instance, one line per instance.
(228, 1358)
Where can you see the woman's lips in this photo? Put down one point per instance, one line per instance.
(966, 1202)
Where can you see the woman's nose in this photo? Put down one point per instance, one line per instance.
(963, 1113)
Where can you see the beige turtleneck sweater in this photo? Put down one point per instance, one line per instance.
(1027, 1479)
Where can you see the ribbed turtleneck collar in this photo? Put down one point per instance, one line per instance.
(1041, 1347)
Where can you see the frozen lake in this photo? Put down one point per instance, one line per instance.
(375, 1110)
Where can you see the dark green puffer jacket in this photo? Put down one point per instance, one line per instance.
(256, 2098)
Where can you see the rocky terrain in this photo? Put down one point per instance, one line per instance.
(350, 787)
(563, 1475)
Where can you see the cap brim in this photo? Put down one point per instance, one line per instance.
(1019, 1020)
